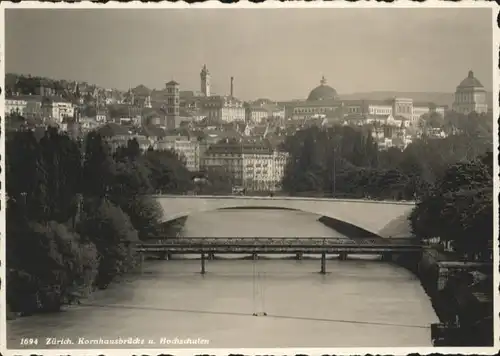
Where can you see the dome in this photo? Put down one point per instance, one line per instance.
(322, 92)
(470, 82)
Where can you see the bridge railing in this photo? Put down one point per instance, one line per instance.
(290, 242)
(286, 197)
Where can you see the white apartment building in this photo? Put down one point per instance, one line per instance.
(16, 104)
(24, 105)
(253, 166)
(57, 108)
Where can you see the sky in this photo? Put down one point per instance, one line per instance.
(271, 53)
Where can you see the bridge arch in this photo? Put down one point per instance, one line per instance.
(381, 218)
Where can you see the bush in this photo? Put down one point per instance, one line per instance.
(47, 266)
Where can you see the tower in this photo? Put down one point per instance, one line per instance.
(232, 87)
(205, 81)
(172, 107)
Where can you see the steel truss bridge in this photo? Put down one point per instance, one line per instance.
(208, 247)
(280, 245)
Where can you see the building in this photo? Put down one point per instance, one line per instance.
(470, 96)
(16, 105)
(388, 120)
(205, 81)
(255, 166)
(323, 101)
(118, 136)
(56, 108)
(172, 104)
(255, 114)
(101, 116)
(258, 111)
(186, 147)
(23, 105)
(45, 90)
(322, 92)
(88, 124)
(223, 108)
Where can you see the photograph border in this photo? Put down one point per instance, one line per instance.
(253, 351)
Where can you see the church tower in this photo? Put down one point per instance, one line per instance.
(172, 107)
(205, 81)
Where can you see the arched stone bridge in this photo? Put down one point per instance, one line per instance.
(383, 218)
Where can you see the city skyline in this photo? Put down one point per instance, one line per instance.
(132, 49)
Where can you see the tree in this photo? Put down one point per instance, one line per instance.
(459, 208)
(109, 228)
(168, 174)
(47, 265)
(131, 152)
(62, 166)
(217, 181)
(98, 166)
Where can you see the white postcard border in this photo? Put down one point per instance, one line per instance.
(254, 351)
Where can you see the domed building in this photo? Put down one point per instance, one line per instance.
(470, 96)
(322, 92)
(324, 103)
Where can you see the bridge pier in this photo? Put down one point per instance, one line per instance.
(323, 263)
(343, 256)
(141, 260)
(298, 256)
(165, 256)
(386, 256)
(202, 263)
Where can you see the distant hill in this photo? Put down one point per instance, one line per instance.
(437, 98)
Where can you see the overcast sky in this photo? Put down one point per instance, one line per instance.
(275, 53)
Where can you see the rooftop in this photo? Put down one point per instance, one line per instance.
(24, 97)
(322, 92)
(111, 129)
(470, 82)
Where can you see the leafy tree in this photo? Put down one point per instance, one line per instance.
(109, 228)
(62, 167)
(47, 265)
(131, 151)
(145, 216)
(459, 208)
(98, 166)
(216, 180)
(168, 174)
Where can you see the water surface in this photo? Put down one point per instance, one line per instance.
(362, 302)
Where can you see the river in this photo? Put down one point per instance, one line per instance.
(361, 302)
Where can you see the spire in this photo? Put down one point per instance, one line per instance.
(471, 74)
(323, 80)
